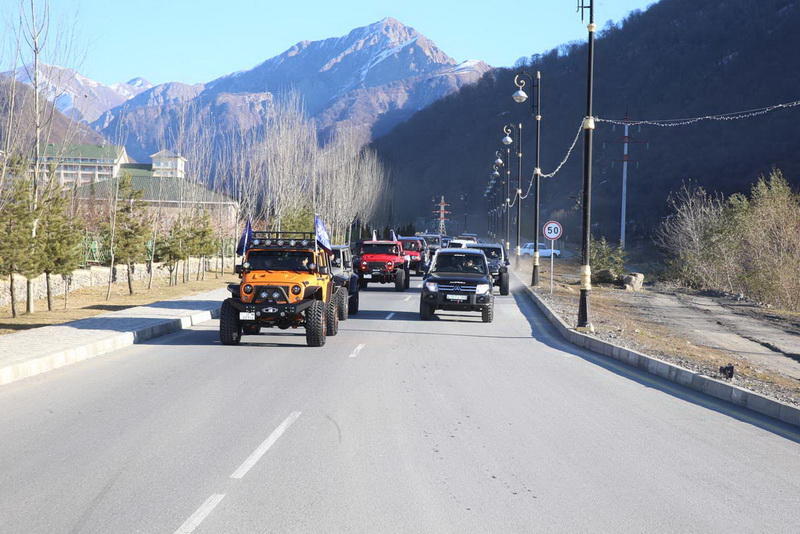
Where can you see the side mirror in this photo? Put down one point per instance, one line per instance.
(324, 270)
(336, 262)
(312, 267)
(238, 269)
(348, 264)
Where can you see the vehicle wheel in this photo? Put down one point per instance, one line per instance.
(400, 280)
(487, 313)
(332, 317)
(315, 324)
(230, 330)
(353, 305)
(342, 303)
(408, 279)
(251, 329)
(418, 272)
(425, 311)
(504, 283)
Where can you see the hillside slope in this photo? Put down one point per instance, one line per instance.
(676, 59)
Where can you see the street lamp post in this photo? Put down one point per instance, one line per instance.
(521, 96)
(588, 127)
(508, 140)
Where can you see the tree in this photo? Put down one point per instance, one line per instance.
(59, 244)
(16, 221)
(125, 234)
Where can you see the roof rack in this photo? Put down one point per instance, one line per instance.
(282, 239)
(284, 235)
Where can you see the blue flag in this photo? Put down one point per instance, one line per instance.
(247, 237)
(322, 234)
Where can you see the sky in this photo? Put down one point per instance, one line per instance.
(195, 41)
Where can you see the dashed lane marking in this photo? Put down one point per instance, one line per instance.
(356, 351)
(265, 446)
(200, 514)
(407, 298)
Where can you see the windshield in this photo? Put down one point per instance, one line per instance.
(411, 245)
(492, 253)
(432, 239)
(279, 260)
(459, 263)
(379, 248)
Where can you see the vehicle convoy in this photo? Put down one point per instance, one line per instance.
(458, 280)
(286, 282)
(498, 262)
(345, 277)
(417, 252)
(383, 262)
(433, 242)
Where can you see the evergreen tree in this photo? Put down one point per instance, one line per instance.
(59, 244)
(125, 235)
(16, 223)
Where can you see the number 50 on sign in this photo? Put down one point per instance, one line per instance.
(552, 230)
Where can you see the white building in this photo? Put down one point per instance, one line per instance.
(84, 164)
(167, 164)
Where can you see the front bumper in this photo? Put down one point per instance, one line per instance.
(466, 301)
(382, 277)
(271, 311)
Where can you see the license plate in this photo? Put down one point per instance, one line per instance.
(367, 276)
(247, 316)
(456, 297)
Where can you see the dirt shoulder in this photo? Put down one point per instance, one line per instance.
(701, 332)
(91, 301)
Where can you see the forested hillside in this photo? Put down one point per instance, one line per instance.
(679, 58)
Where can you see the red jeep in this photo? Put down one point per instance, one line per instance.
(414, 248)
(383, 262)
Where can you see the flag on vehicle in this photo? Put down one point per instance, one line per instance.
(244, 240)
(322, 233)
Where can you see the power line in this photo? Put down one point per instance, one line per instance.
(736, 115)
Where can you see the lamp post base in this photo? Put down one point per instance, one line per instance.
(583, 312)
(535, 276)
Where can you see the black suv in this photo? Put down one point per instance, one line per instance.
(346, 278)
(458, 279)
(498, 263)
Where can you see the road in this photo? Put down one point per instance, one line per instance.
(396, 425)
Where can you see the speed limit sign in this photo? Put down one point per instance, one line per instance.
(552, 230)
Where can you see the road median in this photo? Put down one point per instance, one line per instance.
(39, 350)
(668, 371)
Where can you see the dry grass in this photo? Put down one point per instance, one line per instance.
(618, 321)
(88, 302)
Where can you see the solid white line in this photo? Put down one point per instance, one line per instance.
(390, 315)
(201, 513)
(356, 351)
(264, 447)
(407, 298)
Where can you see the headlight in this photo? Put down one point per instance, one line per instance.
(296, 290)
(248, 288)
(433, 287)
(480, 289)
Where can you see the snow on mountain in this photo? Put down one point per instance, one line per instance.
(77, 96)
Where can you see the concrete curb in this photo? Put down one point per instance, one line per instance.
(54, 360)
(673, 373)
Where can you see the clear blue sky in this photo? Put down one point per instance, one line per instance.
(198, 40)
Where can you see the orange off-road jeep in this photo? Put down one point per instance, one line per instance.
(286, 281)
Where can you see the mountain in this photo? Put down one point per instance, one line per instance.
(370, 79)
(77, 96)
(676, 59)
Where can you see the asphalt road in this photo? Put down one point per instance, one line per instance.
(396, 425)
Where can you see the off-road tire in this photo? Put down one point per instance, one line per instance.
(400, 280)
(251, 329)
(352, 307)
(332, 317)
(315, 324)
(504, 283)
(408, 279)
(342, 303)
(418, 271)
(230, 330)
(487, 313)
(426, 311)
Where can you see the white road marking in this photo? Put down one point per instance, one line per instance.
(356, 351)
(201, 513)
(407, 298)
(390, 315)
(264, 447)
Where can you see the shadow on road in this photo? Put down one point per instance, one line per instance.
(544, 332)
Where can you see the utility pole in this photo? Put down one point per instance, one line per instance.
(442, 212)
(588, 127)
(627, 140)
